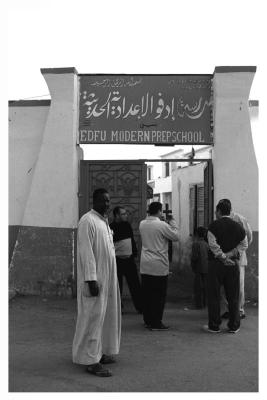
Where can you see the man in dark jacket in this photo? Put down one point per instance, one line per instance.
(226, 239)
(126, 251)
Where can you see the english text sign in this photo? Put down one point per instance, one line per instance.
(145, 109)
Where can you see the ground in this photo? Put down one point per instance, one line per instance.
(183, 359)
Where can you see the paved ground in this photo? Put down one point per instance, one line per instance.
(184, 359)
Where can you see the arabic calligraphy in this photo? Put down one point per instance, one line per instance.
(117, 82)
(116, 106)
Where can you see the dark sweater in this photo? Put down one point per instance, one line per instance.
(227, 232)
(123, 230)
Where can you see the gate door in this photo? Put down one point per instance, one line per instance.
(126, 183)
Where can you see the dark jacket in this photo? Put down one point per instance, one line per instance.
(123, 230)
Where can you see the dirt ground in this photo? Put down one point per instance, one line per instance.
(183, 359)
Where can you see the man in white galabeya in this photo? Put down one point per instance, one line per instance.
(98, 327)
(154, 265)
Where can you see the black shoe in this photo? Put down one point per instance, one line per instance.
(242, 315)
(160, 327)
(225, 315)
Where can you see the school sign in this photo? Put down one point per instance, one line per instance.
(145, 109)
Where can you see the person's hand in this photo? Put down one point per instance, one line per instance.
(228, 261)
(93, 288)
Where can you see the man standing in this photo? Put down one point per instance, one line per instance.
(154, 265)
(125, 249)
(227, 239)
(98, 327)
(242, 264)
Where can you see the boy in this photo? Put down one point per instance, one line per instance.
(199, 264)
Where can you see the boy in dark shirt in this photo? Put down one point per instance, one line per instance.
(199, 264)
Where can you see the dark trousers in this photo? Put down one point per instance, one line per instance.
(154, 289)
(228, 277)
(127, 267)
(200, 290)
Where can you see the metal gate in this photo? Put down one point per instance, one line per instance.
(126, 183)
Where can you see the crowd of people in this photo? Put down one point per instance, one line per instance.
(106, 254)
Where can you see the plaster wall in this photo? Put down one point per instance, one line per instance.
(234, 160)
(26, 127)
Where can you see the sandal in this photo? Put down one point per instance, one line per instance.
(98, 370)
(107, 359)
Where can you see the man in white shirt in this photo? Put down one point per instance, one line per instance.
(154, 265)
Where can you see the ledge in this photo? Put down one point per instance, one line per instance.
(29, 103)
(219, 70)
(70, 70)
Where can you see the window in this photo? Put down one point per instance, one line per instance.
(196, 207)
(149, 172)
(167, 169)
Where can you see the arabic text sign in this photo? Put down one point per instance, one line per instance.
(147, 109)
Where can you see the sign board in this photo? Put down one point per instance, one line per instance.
(145, 109)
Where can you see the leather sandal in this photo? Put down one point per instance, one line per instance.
(107, 359)
(98, 370)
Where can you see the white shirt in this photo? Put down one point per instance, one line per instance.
(155, 235)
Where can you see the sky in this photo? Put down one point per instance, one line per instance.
(141, 36)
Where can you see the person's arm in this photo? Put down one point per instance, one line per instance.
(170, 230)
(217, 251)
(85, 239)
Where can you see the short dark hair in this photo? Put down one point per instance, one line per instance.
(154, 207)
(98, 192)
(226, 201)
(201, 231)
(224, 206)
(116, 210)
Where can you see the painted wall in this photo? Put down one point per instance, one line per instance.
(43, 257)
(234, 160)
(27, 121)
(182, 178)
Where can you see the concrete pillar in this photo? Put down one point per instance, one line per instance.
(44, 252)
(234, 160)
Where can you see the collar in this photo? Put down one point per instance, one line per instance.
(99, 215)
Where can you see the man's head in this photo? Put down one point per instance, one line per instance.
(120, 214)
(101, 201)
(155, 209)
(223, 208)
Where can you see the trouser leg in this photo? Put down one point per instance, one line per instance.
(215, 279)
(146, 295)
(134, 285)
(162, 290)
(231, 286)
(120, 268)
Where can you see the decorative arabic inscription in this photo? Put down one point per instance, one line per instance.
(115, 106)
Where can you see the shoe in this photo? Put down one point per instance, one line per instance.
(107, 359)
(161, 327)
(207, 329)
(242, 315)
(98, 370)
(225, 315)
(233, 330)
(147, 326)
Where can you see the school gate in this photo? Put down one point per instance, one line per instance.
(125, 182)
(45, 155)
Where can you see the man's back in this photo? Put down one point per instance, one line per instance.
(155, 235)
(227, 232)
